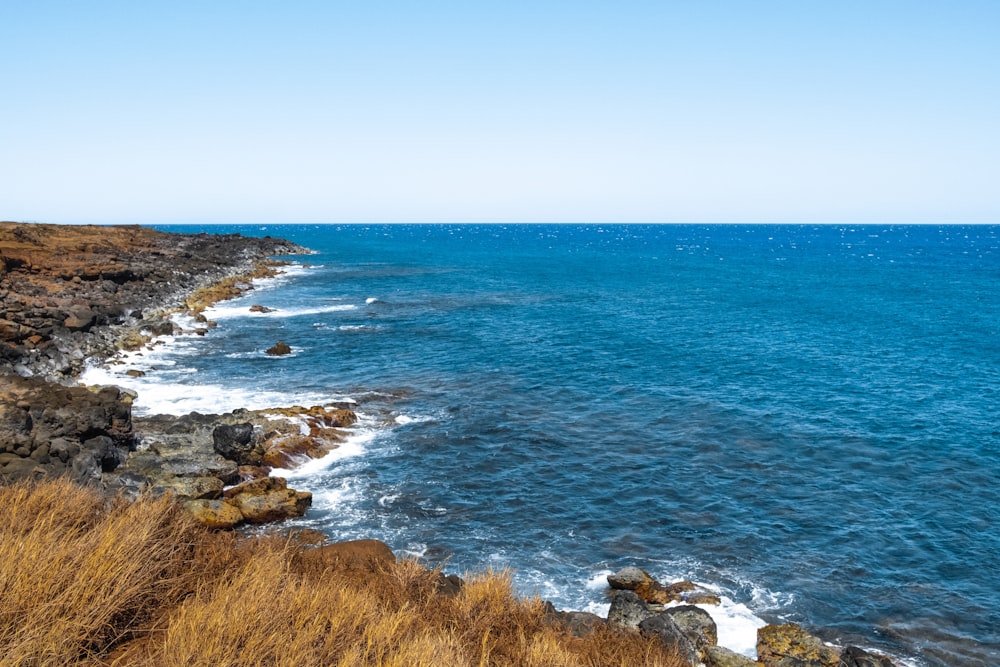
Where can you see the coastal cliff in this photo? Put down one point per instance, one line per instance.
(69, 294)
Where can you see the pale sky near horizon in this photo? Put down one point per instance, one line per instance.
(700, 111)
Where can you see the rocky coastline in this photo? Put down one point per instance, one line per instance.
(72, 295)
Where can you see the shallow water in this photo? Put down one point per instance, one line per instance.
(803, 417)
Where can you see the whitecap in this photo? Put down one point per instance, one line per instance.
(736, 625)
(403, 420)
(354, 445)
(232, 312)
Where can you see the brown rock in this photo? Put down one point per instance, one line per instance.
(279, 348)
(629, 578)
(257, 308)
(215, 514)
(691, 593)
(364, 555)
(576, 623)
(9, 330)
(79, 319)
(720, 656)
(789, 645)
(268, 499)
(194, 488)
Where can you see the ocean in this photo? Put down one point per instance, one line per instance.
(804, 418)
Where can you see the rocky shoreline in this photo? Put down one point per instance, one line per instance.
(73, 295)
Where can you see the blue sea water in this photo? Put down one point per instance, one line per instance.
(804, 417)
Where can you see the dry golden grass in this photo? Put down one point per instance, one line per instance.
(84, 581)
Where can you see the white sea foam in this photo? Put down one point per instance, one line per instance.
(403, 420)
(354, 445)
(227, 312)
(159, 391)
(371, 300)
(599, 581)
(737, 625)
(333, 497)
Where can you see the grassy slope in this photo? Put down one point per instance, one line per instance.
(83, 581)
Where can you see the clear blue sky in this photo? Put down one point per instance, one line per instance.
(694, 111)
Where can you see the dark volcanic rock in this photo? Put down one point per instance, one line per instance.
(236, 442)
(852, 656)
(719, 656)
(628, 610)
(577, 623)
(663, 627)
(50, 429)
(697, 625)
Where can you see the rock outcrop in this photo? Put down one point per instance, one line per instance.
(650, 590)
(639, 602)
(48, 429)
(279, 349)
(70, 293)
(73, 294)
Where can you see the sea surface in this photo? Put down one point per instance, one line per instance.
(805, 418)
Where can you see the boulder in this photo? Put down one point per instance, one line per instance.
(687, 592)
(653, 592)
(215, 514)
(236, 442)
(720, 656)
(788, 645)
(629, 578)
(79, 319)
(13, 467)
(257, 308)
(628, 610)
(580, 624)
(363, 555)
(449, 584)
(852, 656)
(268, 499)
(279, 348)
(193, 488)
(697, 625)
(663, 627)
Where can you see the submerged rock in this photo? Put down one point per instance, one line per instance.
(649, 589)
